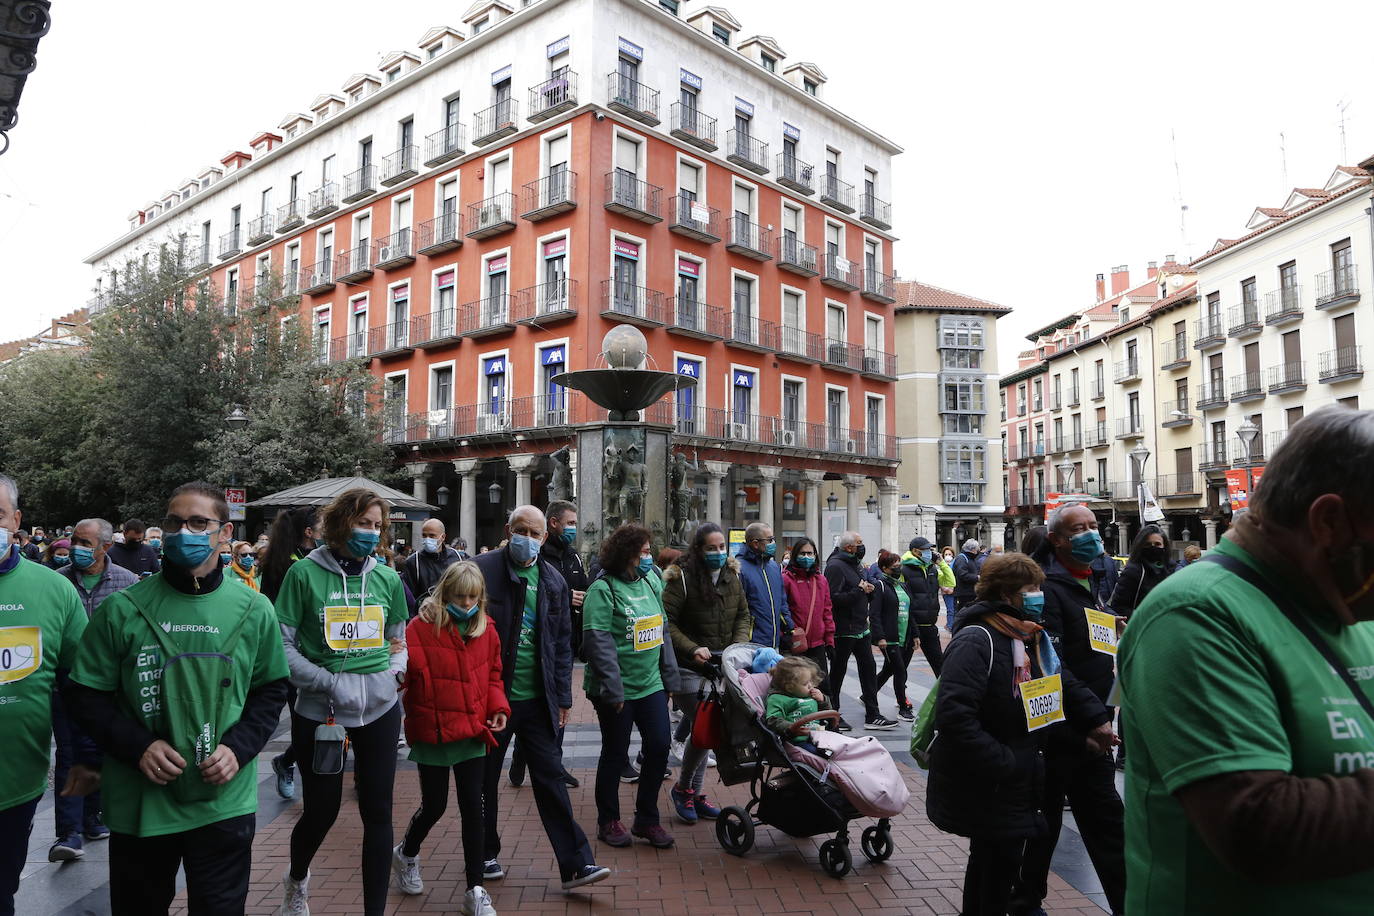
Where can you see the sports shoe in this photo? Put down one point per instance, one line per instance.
(906, 712)
(587, 874)
(879, 724)
(96, 830)
(295, 896)
(704, 808)
(66, 849)
(843, 726)
(477, 902)
(517, 771)
(675, 752)
(492, 870)
(286, 776)
(629, 774)
(614, 834)
(655, 834)
(401, 741)
(710, 758)
(407, 869)
(570, 780)
(684, 800)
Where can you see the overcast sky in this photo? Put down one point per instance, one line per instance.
(1037, 137)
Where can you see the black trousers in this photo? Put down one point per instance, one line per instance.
(988, 878)
(467, 784)
(861, 647)
(217, 857)
(821, 656)
(288, 756)
(16, 824)
(374, 769)
(650, 716)
(897, 660)
(530, 721)
(1088, 782)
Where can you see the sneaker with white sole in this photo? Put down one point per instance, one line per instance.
(675, 752)
(477, 902)
(407, 870)
(710, 758)
(879, 724)
(296, 896)
(587, 874)
(492, 870)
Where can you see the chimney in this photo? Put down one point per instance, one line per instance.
(1101, 288)
(1121, 279)
(1151, 270)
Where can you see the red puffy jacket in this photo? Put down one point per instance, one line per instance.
(808, 598)
(453, 686)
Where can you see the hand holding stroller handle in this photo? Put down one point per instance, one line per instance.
(799, 727)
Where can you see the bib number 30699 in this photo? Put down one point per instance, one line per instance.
(1043, 700)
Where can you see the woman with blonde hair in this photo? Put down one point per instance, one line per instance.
(243, 565)
(454, 700)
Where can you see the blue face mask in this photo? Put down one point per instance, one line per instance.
(155, 543)
(225, 559)
(363, 541)
(431, 545)
(570, 534)
(460, 613)
(61, 561)
(771, 548)
(187, 550)
(1086, 546)
(715, 559)
(319, 542)
(645, 564)
(1033, 604)
(523, 549)
(83, 557)
(926, 555)
(805, 562)
(246, 562)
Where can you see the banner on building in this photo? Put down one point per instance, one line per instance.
(1055, 500)
(791, 132)
(500, 76)
(1237, 490)
(689, 79)
(556, 48)
(630, 49)
(743, 107)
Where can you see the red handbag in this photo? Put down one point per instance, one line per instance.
(708, 727)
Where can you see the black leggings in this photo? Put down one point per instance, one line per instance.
(861, 648)
(467, 785)
(374, 769)
(895, 660)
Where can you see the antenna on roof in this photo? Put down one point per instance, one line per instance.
(1283, 162)
(1341, 106)
(1182, 207)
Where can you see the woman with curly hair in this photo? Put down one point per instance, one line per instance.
(630, 673)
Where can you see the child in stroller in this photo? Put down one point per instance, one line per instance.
(794, 701)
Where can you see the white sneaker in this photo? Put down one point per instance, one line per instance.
(407, 869)
(296, 899)
(675, 752)
(710, 758)
(477, 902)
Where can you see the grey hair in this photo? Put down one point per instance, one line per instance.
(7, 483)
(1056, 518)
(1328, 451)
(756, 530)
(103, 529)
(534, 511)
(971, 544)
(848, 539)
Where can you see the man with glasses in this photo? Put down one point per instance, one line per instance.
(41, 623)
(181, 741)
(762, 580)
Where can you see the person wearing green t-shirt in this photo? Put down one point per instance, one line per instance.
(630, 673)
(1250, 782)
(181, 679)
(41, 622)
(343, 618)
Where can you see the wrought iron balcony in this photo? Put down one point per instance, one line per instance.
(1286, 378)
(1095, 436)
(1212, 455)
(1174, 486)
(437, 328)
(693, 126)
(1130, 428)
(629, 196)
(1175, 413)
(491, 124)
(353, 265)
(291, 215)
(751, 333)
(400, 165)
(492, 216)
(878, 286)
(546, 303)
(390, 339)
(1340, 365)
(446, 144)
(633, 304)
(1248, 386)
(360, 183)
(551, 195)
(1211, 395)
(260, 229)
(324, 199)
(396, 250)
(199, 257)
(843, 355)
(632, 98)
(879, 364)
(485, 317)
(1073, 393)
(694, 318)
(1208, 333)
(875, 212)
(747, 151)
(796, 256)
(803, 346)
(317, 278)
(1244, 319)
(1174, 352)
(1127, 370)
(695, 220)
(441, 234)
(749, 239)
(1337, 287)
(839, 272)
(1283, 305)
(230, 245)
(1097, 389)
(837, 193)
(555, 95)
(796, 174)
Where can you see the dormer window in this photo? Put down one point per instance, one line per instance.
(479, 25)
(670, 5)
(720, 33)
(432, 53)
(769, 63)
(809, 86)
(391, 75)
(356, 94)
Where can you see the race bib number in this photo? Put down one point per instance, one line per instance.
(1101, 631)
(21, 652)
(1043, 699)
(348, 628)
(648, 633)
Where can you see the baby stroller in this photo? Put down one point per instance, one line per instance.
(790, 789)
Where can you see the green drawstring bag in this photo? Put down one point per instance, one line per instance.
(923, 729)
(195, 688)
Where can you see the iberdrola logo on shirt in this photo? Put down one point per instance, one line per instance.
(169, 627)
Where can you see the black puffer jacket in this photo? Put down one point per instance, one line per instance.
(849, 602)
(883, 607)
(923, 588)
(986, 771)
(1137, 580)
(1065, 601)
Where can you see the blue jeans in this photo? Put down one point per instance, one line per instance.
(75, 813)
(650, 715)
(16, 823)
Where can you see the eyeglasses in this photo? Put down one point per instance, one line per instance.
(196, 524)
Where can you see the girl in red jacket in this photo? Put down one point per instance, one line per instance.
(453, 700)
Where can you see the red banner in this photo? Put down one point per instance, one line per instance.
(1238, 490)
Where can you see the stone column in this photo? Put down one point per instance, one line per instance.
(1209, 533)
(419, 488)
(715, 473)
(768, 478)
(852, 482)
(812, 481)
(521, 465)
(467, 505)
(887, 504)
(997, 533)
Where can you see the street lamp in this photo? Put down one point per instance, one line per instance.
(237, 419)
(789, 502)
(871, 504)
(494, 494)
(832, 501)
(741, 498)
(1247, 434)
(1066, 474)
(442, 496)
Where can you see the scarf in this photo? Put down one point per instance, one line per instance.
(248, 578)
(1024, 633)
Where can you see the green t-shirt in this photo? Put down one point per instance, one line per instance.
(332, 631)
(90, 582)
(790, 709)
(449, 753)
(526, 683)
(41, 622)
(903, 611)
(632, 612)
(120, 654)
(1215, 680)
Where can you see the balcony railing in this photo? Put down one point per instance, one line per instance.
(546, 303)
(446, 144)
(260, 229)
(485, 317)
(492, 216)
(795, 174)
(390, 339)
(745, 150)
(1283, 305)
(198, 257)
(1211, 395)
(1243, 320)
(695, 220)
(1340, 365)
(1208, 332)
(693, 126)
(395, 250)
(360, 183)
(843, 354)
(441, 234)
(1073, 396)
(1286, 377)
(796, 256)
(1272, 441)
(491, 124)
(839, 272)
(875, 212)
(555, 95)
(1337, 287)
(1248, 386)
(354, 265)
(551, 195)
(317, 278)
(1130, 428)
(1212, 455)
(1127, 370)
(230, 244)
(324, 199)
(879, 286)
(1097, 389)
(1173, 353)
(755, 431)
(1095, 436)
(694, 318)
(801, 345)
(629, 196)
(1175, 413)
(749, 239)
(751, 333)
(400, 165)
(837, 193)
(634, 304)
(290, 215)
(229, 301)
(1172, 486)
(437, 327)
(631, 97)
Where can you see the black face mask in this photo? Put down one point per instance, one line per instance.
(859, 552)
(1154, 554)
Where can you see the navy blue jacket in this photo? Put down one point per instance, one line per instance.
(506, 608)
(762, 581)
